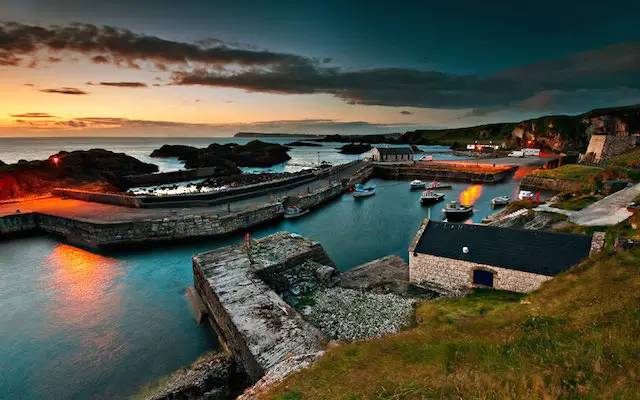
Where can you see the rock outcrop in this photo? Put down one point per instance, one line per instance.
(299, 143)
(227, 157)
(355, 148)
(95, 169)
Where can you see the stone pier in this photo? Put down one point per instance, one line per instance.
(255, 325)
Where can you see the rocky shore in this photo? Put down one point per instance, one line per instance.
(94, 169)
(226, 157)
(213, 376)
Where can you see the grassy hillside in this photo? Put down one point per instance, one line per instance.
(570, 128)
(574, 338)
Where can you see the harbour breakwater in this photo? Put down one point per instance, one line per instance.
(532, 182)
(443, 172)
(99, 234)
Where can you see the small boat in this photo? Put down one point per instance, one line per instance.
(363, 191)
(417, 184)
(500, 201)
(438, 185)
(456, 212)
(431, 197)
(526, 195)
(294, 212)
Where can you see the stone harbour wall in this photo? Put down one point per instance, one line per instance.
(455, 277)
(532, 182)
(255, 325)
(18, 224)
(98, 235)
(413, 172)
(98, 197)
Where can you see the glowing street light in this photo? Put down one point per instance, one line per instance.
(55, 160)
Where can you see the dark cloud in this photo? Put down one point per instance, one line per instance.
(610, 67)
(33, 115)
(65, 90)
(106, 44)
(125, 84)
(405, 112)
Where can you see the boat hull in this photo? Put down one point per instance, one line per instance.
(296, 215)
(458, 215)
(425, 201)
(363, 194)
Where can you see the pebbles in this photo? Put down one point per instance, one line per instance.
(347, 314)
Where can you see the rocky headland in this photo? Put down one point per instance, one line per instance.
(94, 169)
(226, 157)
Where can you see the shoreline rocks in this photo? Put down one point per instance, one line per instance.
(213, 376)
(299, 143)
(95, 169)
(226, 157)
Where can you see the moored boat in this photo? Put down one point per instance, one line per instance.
(500, 201)
(417, 184)
(526, 195)
(363, 191)
(456, 212)
(294, 212)
(431, 197)
(438, 185)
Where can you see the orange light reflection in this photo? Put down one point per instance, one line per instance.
(470, 195)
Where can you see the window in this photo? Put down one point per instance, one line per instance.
(482, 277)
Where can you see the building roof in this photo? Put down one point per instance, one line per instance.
(390, 151)
(538, 252)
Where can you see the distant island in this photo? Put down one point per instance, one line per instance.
(275, 134)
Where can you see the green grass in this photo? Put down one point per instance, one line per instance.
(575, 203)
(576, 337)
(570, 172)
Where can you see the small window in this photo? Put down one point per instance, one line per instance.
(482, 277)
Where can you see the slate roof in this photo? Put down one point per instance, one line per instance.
(386, 151)
(538, 252)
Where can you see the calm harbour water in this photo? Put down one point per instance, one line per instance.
(77, 325)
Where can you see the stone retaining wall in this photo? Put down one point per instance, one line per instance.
(18, 224)
(413, 172)
(532, 182)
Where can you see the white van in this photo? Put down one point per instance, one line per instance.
(531, 152)
(516, 153)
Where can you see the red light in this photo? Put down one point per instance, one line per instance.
(56, 160)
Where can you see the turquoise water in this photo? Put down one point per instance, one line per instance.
(78, 325)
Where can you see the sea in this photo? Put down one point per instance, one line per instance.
(79, 324)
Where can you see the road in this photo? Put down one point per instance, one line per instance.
(609, 211)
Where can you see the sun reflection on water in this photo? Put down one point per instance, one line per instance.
(87, 299)
(470, 195)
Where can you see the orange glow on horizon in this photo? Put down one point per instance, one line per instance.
(470, 195)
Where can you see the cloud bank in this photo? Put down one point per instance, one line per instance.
(572, 81)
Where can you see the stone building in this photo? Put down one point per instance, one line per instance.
(452, 258)
(392, 154)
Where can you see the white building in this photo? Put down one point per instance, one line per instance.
(392, 154)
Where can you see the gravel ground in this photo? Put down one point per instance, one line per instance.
(348, 314)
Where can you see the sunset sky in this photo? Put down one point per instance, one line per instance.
(205, 68)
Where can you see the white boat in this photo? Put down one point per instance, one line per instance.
(500, 201)
(526, 195)
(456, 212)
(364, 191)
(430, 197)
(417, 184)
(294, 212)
